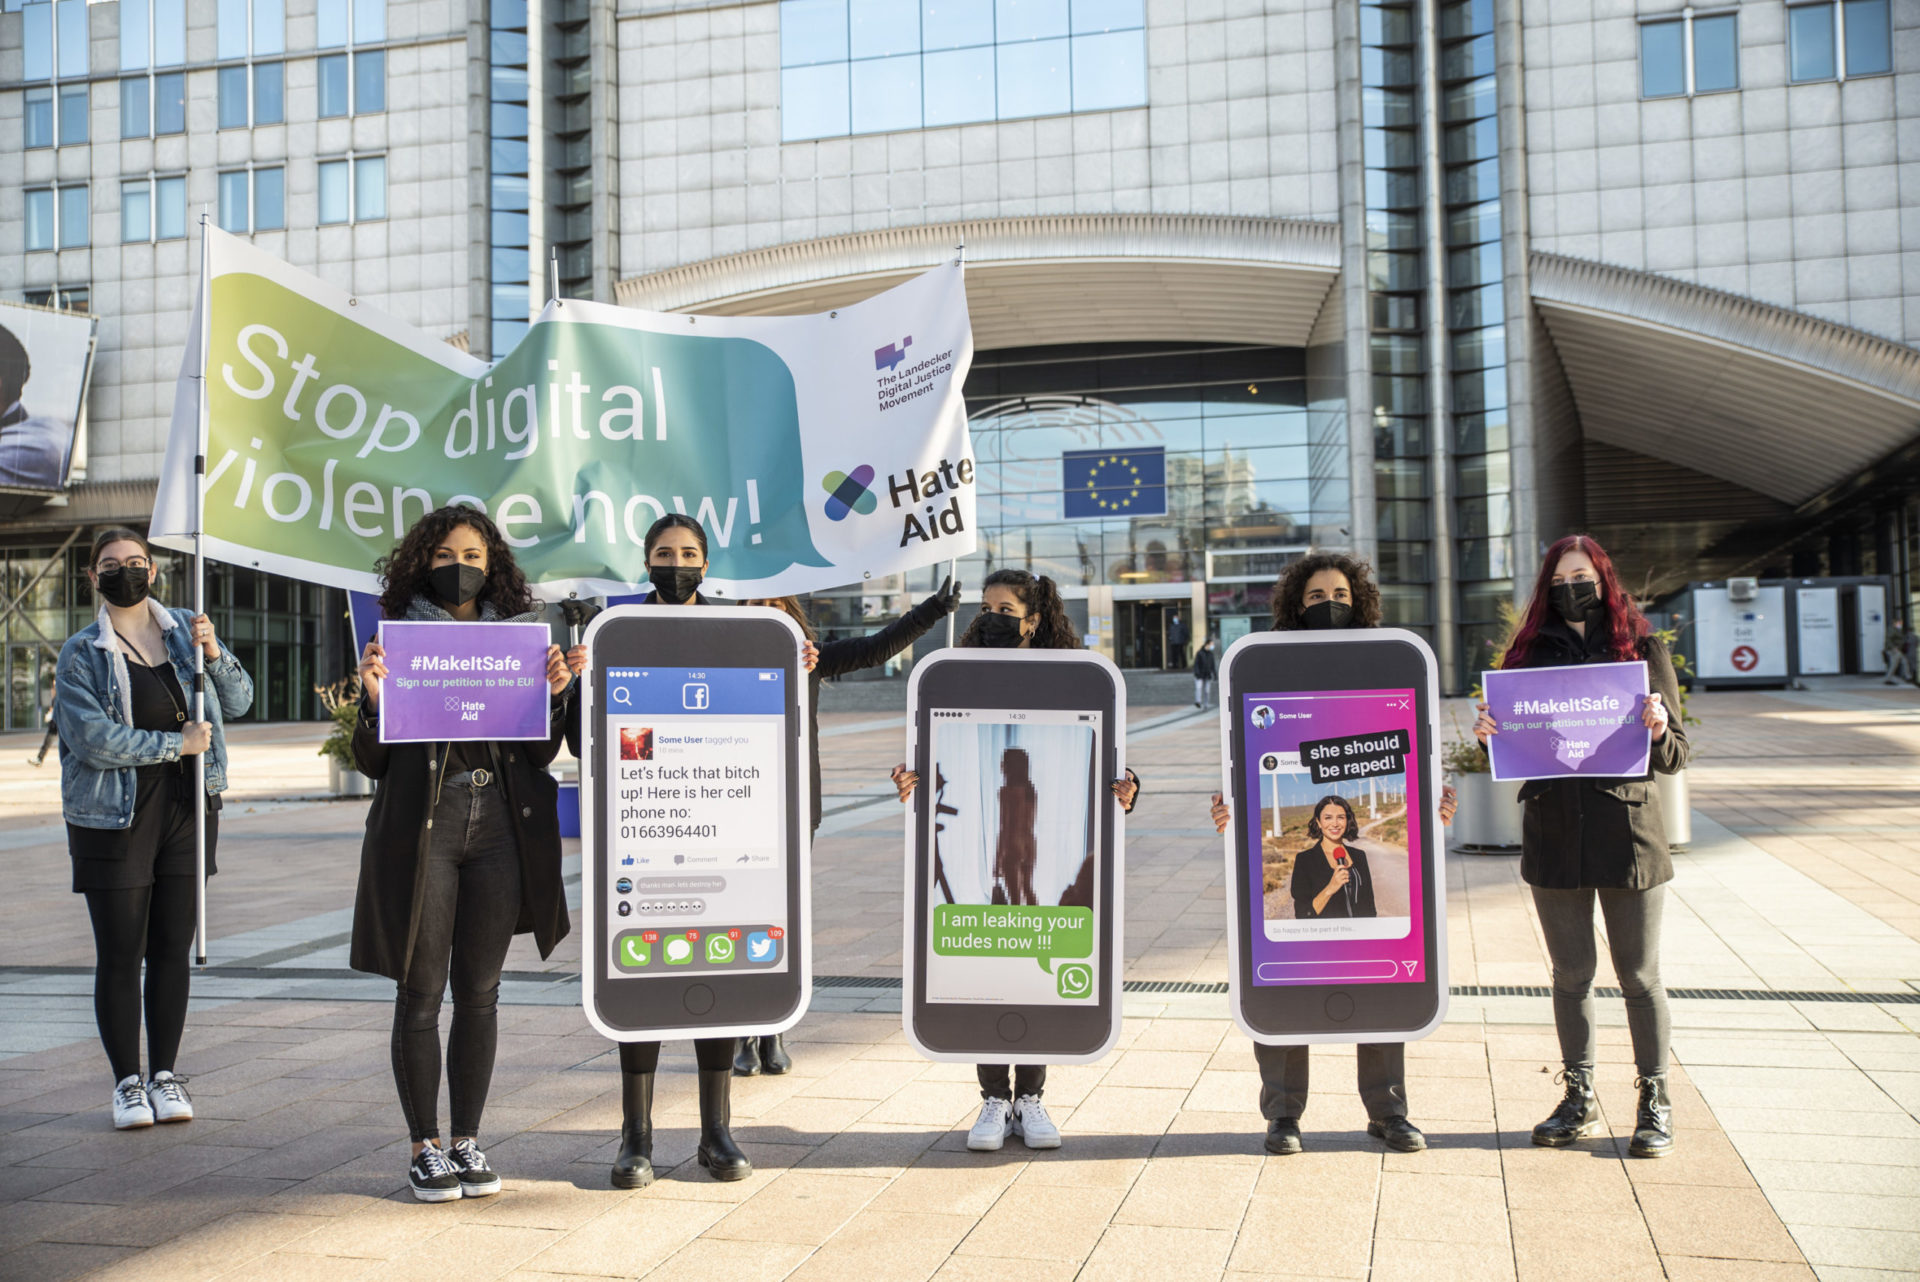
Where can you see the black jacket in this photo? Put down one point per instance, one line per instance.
(1205, 666)
(837, 658)
(1311, 875)
(386, 906)
(1607, 834)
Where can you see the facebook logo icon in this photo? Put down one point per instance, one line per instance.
(693, 696)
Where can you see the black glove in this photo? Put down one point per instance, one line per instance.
(945, 599)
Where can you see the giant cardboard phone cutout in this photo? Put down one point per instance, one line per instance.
(1013, 868)
(695, 889)
(1336, 904)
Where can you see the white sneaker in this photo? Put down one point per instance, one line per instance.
(130, 1107)
(1032, 1125)
(168, 1095)
(990, 1130)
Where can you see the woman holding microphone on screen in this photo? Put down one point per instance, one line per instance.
(676, 549)
(1018, 610)
(462, 852)
(1584, 839)
(1327, 592)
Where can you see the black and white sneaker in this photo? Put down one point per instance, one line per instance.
(131, 1108)
(477, 1179)
(433, 1176)
(168, 1095)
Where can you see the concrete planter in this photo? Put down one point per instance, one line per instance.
(1488, 820)
(1676, 808)
(346, 781)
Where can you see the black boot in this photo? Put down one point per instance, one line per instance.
(1399, 1134)
(717, 1152)
(633, 1164)
(1579, 1113)
(773, 1053)
(746, 1059)
(1283, 1136)
(1653, 1129)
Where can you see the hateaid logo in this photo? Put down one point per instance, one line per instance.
(849, 492)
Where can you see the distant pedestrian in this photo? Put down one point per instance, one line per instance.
(1206, 670)
(1894, 652)
(52, 735)
(1177, 637)
(1599, 838)
(126, 733)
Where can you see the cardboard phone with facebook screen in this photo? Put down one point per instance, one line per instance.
(1336, 907)
(695, 892)
(1013, 856)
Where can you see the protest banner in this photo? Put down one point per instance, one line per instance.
(815, 450)
(452, 681)
(1582, 719)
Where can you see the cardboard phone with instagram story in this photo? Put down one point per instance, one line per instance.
(696, 894)
(1014, 856)
(1336, 904)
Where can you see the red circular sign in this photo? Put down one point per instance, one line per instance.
(1745, 657)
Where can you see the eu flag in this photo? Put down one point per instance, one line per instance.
(1118, 482)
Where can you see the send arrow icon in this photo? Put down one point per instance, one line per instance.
(1409, 965)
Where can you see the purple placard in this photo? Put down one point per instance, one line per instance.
(1583, 719)
(448, 681)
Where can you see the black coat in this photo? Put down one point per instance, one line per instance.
(837, 658)
(1205, 666)
(1602, 833)
(386, 906)
(1311, 874)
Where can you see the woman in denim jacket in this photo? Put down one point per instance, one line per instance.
(126, 731)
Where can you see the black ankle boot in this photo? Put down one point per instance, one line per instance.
(1579, 1113)
(773, 1054)
(1653, 1129)
(746, 1059)
(633, 1164)
(717, 1152)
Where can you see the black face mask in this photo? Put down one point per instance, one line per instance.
(995, 631)
(675, 584)
(1574, 601)
(1322, 615)
(454, 585)
(125, 585)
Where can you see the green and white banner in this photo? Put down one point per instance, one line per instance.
(815, 450)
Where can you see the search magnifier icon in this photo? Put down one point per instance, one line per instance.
(622, 696)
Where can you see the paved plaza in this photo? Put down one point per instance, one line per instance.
(1792, 949)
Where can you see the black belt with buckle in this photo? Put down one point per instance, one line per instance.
(473, 778)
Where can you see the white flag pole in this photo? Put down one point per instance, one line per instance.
(200, 607)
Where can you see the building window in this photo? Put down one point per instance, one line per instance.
(509, 293)
(37, 128)
(1692, 53)
(136, 115)
(356, 83)
(233, 96)
(73, 114)
(253, 200)
(873, 66)
(153, 209)
(73, 217)
(353, 190)
(1818, 33)
(351, 22)
(251, 93)
(170, 103)
(66, 298)
(40, 218)
(153, 33)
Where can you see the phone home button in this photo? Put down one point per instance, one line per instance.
(699, 999)
(1339, 1008)
(1012, 1027)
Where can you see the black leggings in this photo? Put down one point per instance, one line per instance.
(152, 924)
(713, 1054)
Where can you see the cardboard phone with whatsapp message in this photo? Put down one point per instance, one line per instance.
(1336, 891)
(695, 887)
(1013, 859)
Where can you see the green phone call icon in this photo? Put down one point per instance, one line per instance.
(632, 952)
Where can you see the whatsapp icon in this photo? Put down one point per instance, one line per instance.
(1075, 980)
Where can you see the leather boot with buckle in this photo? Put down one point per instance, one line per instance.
(633, 1164)
(717, 1151)
(1653, 1128)
(1578, 1116)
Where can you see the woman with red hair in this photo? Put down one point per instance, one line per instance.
(1584, 839)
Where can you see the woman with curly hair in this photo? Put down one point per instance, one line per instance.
(1327, 592)
(462, 851)
(1586, 839)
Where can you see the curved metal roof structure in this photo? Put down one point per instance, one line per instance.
(1045, 279)
(1782, 403)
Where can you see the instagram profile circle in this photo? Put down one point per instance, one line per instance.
(1262, 716)
(1270, 763)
